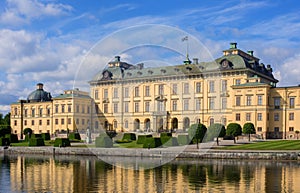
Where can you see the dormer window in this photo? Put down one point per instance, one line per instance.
(150, 71)
(139, 73)
(129, 74)
(163, 70)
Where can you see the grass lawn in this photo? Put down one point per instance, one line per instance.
(268, 145)
(129, 145)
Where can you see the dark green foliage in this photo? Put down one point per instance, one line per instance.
(36, 136)
(234, 129)
(62, 142)
(46, 136)
(4, 129)
(248, 128)
(166, 134)
(27, 130)
(197, 132)
(215, 130)
(129, 136)
(5, 121)
(123, 141)
(13, 138)
(171, 142)
(152, 142)
(104, 141)
(111, 133)
(74, 136)
(165, 139)
(142, 138)
(183, 139)
(4, 141)
(36, 142)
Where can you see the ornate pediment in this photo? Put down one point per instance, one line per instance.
(106, 75)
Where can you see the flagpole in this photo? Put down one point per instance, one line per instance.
(187, 61)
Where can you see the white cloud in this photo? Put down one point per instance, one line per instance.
(290, 71)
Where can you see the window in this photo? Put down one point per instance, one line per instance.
(198, 104)
(224, 103)
(32, 112)
(160, 106)
(211, 86)
(211, 121)
(224, 85)
(56, 121)
(160, 89)
(248, 116)
(276, 129)
(126, 107)
(48, 122)
(174, 89)
(259, 129)
(237, 116)
(136, 91)
(259, 116)
(292, 102)
(32, 122)
(26, 112)
(211, 103)
(69, 108)
(115, 107)
(25, 122)
(238, 81)
(88, 109)
(277, 103)
(105, 108)
(198, 87)
(174, 105)
(147, 91)
(62, 108)
(56, 108)
(83, 109)
(40, 112)
(96, 94)
(224, 121)
(15, 111)
(126, 124)
(69, 120)
(62, 121)
(77, 121)
(276, 117)
(291, 128)
(97, 124)
(185, 104)
(259, 99)
(82, 121)
(238, 101)
(249, 100)
(115, 124)
(186, 88)
(15, 123)
(77, 108)
(115, 93)
(126, 92)
(147, 106)
(105, 93)
(291, 116)
(40, 122)
(136, 107)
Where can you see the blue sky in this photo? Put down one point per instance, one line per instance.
(47, 40)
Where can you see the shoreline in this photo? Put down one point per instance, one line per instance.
(160, 153)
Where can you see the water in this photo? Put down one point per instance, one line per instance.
(89, 174)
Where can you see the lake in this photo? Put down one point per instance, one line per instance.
(36, 173)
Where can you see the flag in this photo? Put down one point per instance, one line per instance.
(184, 39)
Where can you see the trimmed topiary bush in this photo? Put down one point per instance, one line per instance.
(62, 142)
(172, 141)
(183, 139)
(123, 141)
(13, 138)
(36, 136)
(142, 138)
(129, 136)
(166, 134)
(152, 142)
(74, 136)
(36, 142)
(4, 141)
(104, 141)
(46, 136)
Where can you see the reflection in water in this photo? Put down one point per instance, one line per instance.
(88, 174)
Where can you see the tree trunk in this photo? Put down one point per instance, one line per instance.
(217, 141)
(234, 139)
(197, 144)
(249, 136)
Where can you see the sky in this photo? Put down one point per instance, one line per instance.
(55, 41)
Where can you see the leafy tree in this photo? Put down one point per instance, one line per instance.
(234, 129)
(4, 129)
(216, 130)
(297, 133)
(249, 129)
(197, 131)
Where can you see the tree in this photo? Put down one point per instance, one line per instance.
(297, 133)
(216, 130)
(197, 131)
(249, 129)
(234, 129)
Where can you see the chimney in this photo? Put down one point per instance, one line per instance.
(250, 52)
(39, 86)
(117, 58)
(233, 45)
(195, 61)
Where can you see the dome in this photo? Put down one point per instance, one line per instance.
(39, 95)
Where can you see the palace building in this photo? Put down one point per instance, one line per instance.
(236, 87)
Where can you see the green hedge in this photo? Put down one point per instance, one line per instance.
(129, 136)
(27, 137)
(171, 141)
(46, 136)
(164, 134)
(62, 142)
(36, 142)
(183, 139)
(36, 136)
(152, 142)
(4, 141)
(13, 138)
(103, 141)
(141, 138)
(123, 141)
(74, 136)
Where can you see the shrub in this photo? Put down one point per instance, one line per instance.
(62, 142)
(129, 136)
(74, 136)
(152, 142)
(111, 133)
(141, 138)
(46, 136)
(183, 139)
(166, 134)
(4, 141)
(36, 136)
(172, 141)
(104, 141)
(13, 138)
(36, 142)
(123, 141)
